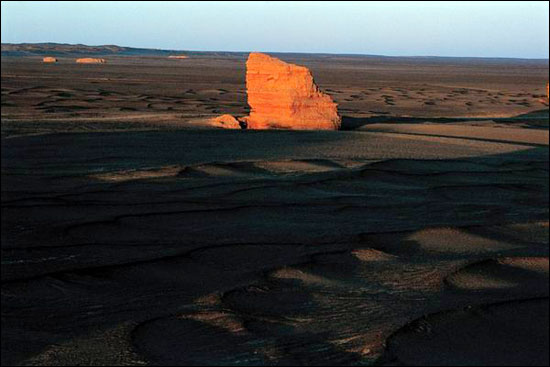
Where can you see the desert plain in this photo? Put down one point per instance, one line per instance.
(135, 234)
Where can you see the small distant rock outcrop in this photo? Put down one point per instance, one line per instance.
(178, 57)
(49, 59)
(89, 60)
(225, 121)
(284, 96)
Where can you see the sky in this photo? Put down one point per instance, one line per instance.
(473, 29)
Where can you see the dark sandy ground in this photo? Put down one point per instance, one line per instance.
(417, 236)
(153, 92)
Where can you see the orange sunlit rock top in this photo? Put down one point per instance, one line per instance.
(285, 96)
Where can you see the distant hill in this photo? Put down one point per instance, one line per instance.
(64, 49)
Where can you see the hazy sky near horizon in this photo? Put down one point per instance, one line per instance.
(479, 29)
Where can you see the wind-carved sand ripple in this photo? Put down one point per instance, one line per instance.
(516, 328)
(347, 289)
(231, 169)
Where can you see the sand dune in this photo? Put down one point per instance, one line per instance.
(332, 241)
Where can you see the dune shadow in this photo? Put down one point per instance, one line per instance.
(534, 119)
(505, 334)
(353, 123)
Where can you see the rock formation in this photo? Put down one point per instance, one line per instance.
(89, 60)
(546, 101)
(284, 96)
(225, 121)
(49, 59)
(178, 57)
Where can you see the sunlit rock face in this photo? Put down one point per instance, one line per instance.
(89, 60)
(225, 121)
(284, 96)
(49, 59)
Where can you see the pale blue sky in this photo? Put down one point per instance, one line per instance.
(480, 29)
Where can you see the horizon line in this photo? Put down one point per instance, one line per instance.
(283, 52)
